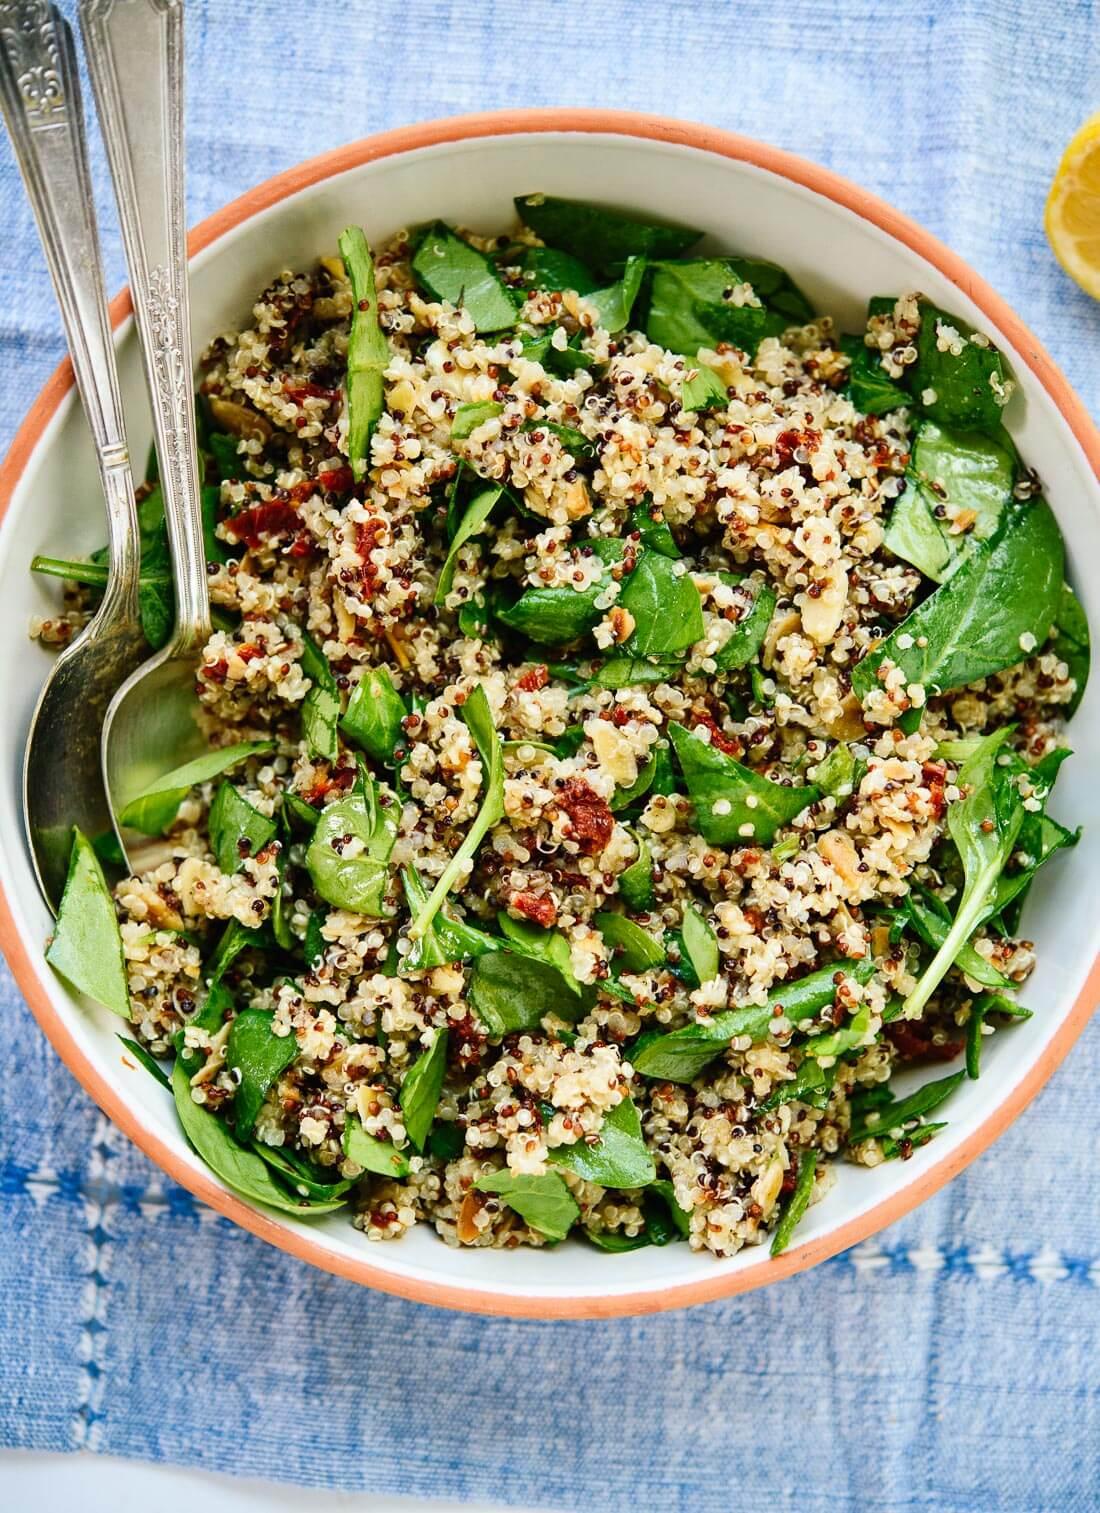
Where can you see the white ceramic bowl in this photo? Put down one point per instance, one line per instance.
(841, 245)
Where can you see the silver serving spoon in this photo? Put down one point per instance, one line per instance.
(135, 58)
(40, 98)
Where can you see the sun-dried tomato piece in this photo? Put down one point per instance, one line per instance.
(589, 814)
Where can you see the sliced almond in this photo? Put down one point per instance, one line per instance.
(837, 848)
(401, 397)
(577, 502)
(848, 724)
(821, 615)
(238, 419)
(784, 624)
(622, 623)
(466, 1228)
(766, 1188)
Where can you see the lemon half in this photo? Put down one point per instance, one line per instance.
(1073, 208)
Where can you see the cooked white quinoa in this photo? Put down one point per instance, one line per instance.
(786, 484)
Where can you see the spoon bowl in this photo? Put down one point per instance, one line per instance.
(151, 724)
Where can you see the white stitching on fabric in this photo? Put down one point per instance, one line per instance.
(88, 1415)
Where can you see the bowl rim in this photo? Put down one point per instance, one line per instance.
(302, 1245)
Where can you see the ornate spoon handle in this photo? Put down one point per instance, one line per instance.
(40, 99)
(135, 58)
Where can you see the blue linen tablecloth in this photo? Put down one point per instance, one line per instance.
(951, 1363)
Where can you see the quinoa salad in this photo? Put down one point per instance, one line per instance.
(632, 710)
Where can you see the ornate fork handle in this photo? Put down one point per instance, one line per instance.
(135, 58)
(40, 99)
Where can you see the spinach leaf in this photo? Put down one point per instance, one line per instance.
(680, 965)
(1040, 837)
(564, 361)
(840, 773)
(747, 634)
(974, 1038)
(225, 455)
(313, 947)
(1071, 643)
(450, 269)
(631, 672)
(296, 808)
(544, 1203)
(554, 616)
(702, 389)
(86, 949)
(421, 1087)
(154, 809)
(964, 470)
(374, 714)
(350, 849)
(446, 939)
(868, 387)
(797, 1204)
(479, 720)
(471, 524)
(368, 350)
(106, 847)
(665, 1221)
(980, 1009)
(650, 524)
(548, 268)
(930, 921)
(681, 1055)
(214, 549)
(665, 605)
(619, 1158)
(574, 441)
(634, 949)
(812, 1084)
(984, 826)
(681, 1217)
(961, 388)
(636, 883)
(512, 992)
(732, 803)
(903, 1148)
(235, 939)
(689, 309)
(692, 304)
(237, 1166)
(849, 1037)
(549, 946)
(701, 944)
(321, 705)
(156, 603)
(614, 304)
(468, 417)
(237, 830)
(602, 237)
(210, 1016)
(446, 1140)
(979, 622)
(257, 1057)
(302, 1177)
(891, 1119)
(149, 1062)
(372, 1154)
